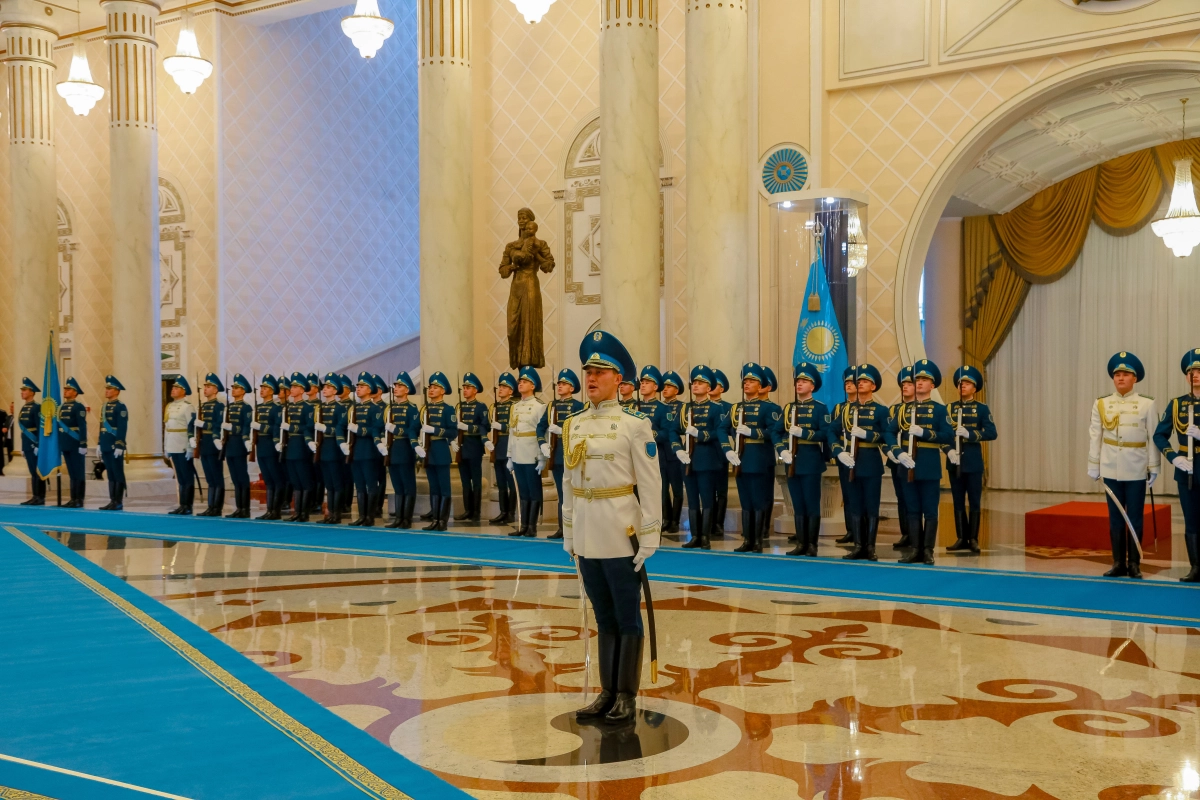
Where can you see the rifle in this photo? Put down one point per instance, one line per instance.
(738, 441)
(458, 416)
(225, 433)
(688, 443)
(492, 432)
(196, 449)
(792, 446)
(553, 436)
(912, 440)
(254, 416)
(426, 438)
(283, 434)
(853, 443)
(1191, 450)
(957, 439)
(351, 436)
(389, 436)
(319, 435)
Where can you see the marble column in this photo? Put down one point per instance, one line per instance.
(29, 64)
(444, 87)
(718, 171)
(133, 154)
(629, 175)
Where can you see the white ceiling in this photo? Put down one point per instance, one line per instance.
(1076, 131)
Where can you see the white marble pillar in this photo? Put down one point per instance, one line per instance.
(444, 86)
(133, 153)
(629, 203)
(717, 183)
(29, 64)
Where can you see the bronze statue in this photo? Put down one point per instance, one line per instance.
(523, 259)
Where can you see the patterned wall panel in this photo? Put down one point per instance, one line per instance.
(319, 181)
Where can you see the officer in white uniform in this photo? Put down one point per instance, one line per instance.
(179, 421)
(1123, 455)
(525, 457)
(612, 494)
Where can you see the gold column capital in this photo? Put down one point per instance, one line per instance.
(444, 33)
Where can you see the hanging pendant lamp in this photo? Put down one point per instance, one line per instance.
(366, 28)
(533, 10)
(79, 90)
(187, 67)
(1180, 229)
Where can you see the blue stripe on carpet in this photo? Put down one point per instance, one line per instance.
(102, 680)
(1154, 602)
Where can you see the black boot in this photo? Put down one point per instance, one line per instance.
(973, 530)
(219, 501)
(523, 521)
(333, 514)
(859, 551)
(558, 534)
(917, 556)
(961, 532)
(749, 532)
(270, 504)
(629, 679)
(871, 528)
(849, 537)
(706, 528)
(434, 501)
(398, 520)
(535, 514)
(814, 534)
(241, 506)
(298, 514)
(111, 494)
(608, 645)
(189, 497)
(717, 531)
(444, 515)
(466, 503)
(800, 537)
(410, 503)
(1193, 551)
(765, 522)
(502, 501)
(696, 528)
(120, 499)
(80, 490)
(364, 509)
(905, 540)
(208, 505)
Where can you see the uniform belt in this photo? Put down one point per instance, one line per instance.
(176, 430)
(807, 442)
(602, 494)
(524, 433)
(753, 441)
(1116, 443)
(928, 445)
(869, 444)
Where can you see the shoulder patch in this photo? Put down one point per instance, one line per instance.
(633, 413)
(651, 449)
(828, 418)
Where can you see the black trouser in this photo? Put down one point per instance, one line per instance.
(115, 468)
(366, 481)
(185, 475)
(966, 488)
(1131, 495)
(1189, 502)
(615, 590)
(39, 485)
(331, 471)
(672, 489)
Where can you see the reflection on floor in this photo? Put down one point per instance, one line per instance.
(472, 673)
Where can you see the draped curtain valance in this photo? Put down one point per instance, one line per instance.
(1039, 240)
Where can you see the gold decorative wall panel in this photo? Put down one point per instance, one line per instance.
(444, 28)
(132, 76)
(29, 62)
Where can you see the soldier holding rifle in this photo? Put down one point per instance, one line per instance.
(402, 429)
(550, 432)
(972, 423)
(506, 488)
(857, 436)
(1182, 416)
(806, 422)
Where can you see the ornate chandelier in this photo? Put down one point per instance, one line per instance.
(187, 67)
(856, 245)
(533, 10)
(366, 28)
(80, 92)
(1180, 229)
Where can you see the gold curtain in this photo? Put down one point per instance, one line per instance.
(1039, 240)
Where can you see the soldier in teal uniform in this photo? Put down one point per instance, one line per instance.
(346, 399)
(236, 431)
(650, 382)
(473, 427)
(312, 396)
(550, 426)
(857, 436)
(329, 426)
(366, 455)
(755, 428)
(915, 435)
(669, 463)
(850, 384)
(506, 487)
(702, 428)
(72, 440)
(29, 423)
(721, 504)
(299, 447)
(380, 491)
(627, 393)
(904, 380)
(801, 446)
(438, 420)
(1182, 417)
(965, 462)
(402, 427)
(266, 431)
(208, 435)
(114, 426)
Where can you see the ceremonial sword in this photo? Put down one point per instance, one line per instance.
(653, 636)
(1125, 517)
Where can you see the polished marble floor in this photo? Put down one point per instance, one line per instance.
(472, 672)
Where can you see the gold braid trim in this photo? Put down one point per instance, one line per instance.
(572, 454)
(1108, 423)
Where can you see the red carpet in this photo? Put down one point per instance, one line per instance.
(1085, 526)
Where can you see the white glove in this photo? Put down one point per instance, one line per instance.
(683, 457)
(255, 426)
(786, 456)
(319, 427)
(226, 426)
(390, 427)
(312, 446)
(858, 433)
(569, 546)
(352, 427)
(1182, 463)
(192, 443)
(99, 452)
(545, 448)
(846, 459)
(1194, 431)
(462, 426)
(119, 452)
(907, 461)
(187, 456)
(217, 443)
(692, 431)
(420, 451)
(512, 467)
(639, 558)
(962, 432)
(917, 431)
(35, 451)
(1094, 473)
(952, 457)
(744, 430)
(732, 458)
(83, 451)
(279, 447)
(496, 426)
(487, 445)
(557, 431)
(796, 430)
(454, 446)
(199, 423)
(426, 429)
(540, 465)
(892, 458)
(345, 448)
(283, 426)
(382, 448)
(1151, 479)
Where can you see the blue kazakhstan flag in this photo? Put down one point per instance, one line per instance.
(818, 338)
(49, 455)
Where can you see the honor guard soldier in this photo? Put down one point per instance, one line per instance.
(856, 438)
(179, 425)
(346, 398)
(972, 424)
(365, 427)
(236, 432)
(506, 487)
(628, 392)
(379, 492)
(312, 396)
(30, 425)
(904, 380)
(208, 444)
(612, 521)
(330, 430)
(661, 419)
(550, 432)
(402, 430)
(670, 465)
(473, 426)
(756, 426)
(915, 435)
(802, 450)
(1182, 416)
(299, 446)
(283, 392)
(850, 384)
(265, 437)
(524, 454)
(439, 423)
(1121, 454)
(72, 440)
(697, 440)
(114, 426)
(717, 522)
